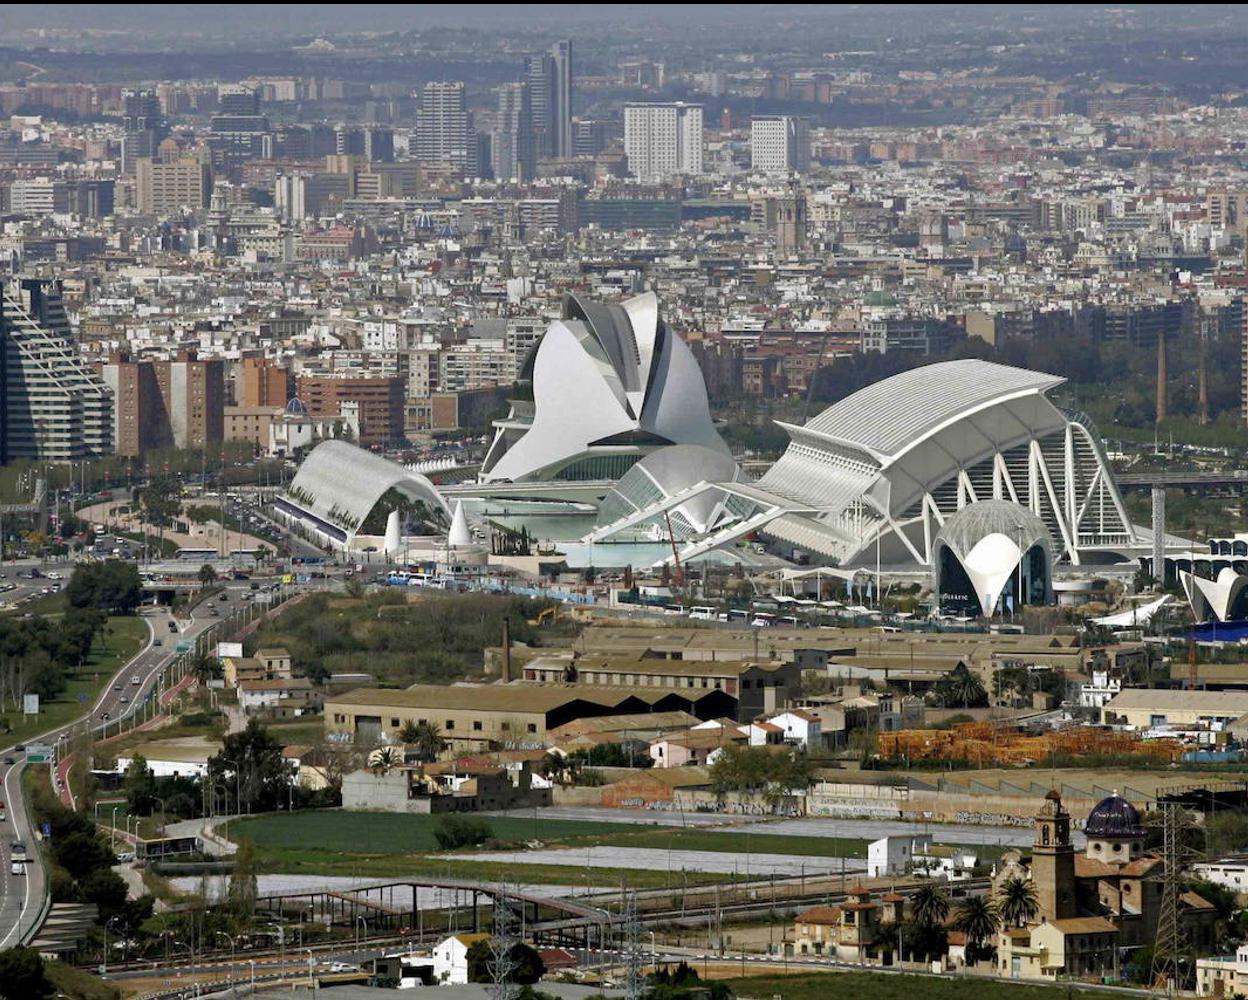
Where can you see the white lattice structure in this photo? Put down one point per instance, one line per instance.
(889, 464)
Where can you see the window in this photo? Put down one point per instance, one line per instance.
(476, 725)
(505, 726)
(450, 724)
(394, 723)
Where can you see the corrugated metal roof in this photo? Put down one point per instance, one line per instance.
(891, 414)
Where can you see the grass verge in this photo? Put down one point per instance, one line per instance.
(122, 639)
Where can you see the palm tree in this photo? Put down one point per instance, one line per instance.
(976, 917)
(929, 905)
(1016, 902)
(410, 732)
(429, 743)
(207, 576)
(205, 668)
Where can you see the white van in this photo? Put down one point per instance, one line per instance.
(702, 614)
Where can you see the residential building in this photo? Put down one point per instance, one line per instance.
(159, 404)
(450, 957)
(780, 144)
(263, 382)
(443, 131)
(663, 141)
(54, 406)
(512, 147)
(380, 400)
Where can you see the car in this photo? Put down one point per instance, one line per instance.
(173, 626)
(214, 613)
(223, 598)
(105, 716)
(158, 642)
(116, 687)
(343, 967)
(20, 747)
(125, 857)
(255, 586)
(124, 700)
(9, 760)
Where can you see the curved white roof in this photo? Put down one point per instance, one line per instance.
(891, 416)
(341, 483)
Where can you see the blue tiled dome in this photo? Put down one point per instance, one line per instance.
(1114, 817)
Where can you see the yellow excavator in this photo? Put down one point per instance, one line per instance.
(545, 616)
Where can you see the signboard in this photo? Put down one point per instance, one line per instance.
(38, 753)
(30, 704)
(185, 645)
(225, 649)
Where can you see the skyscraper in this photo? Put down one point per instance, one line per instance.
(780, 144)
(144, 124)
(53, 405)
(549, 77)
(663, 140)
(443, 134)
(561, 111)
(512, 148)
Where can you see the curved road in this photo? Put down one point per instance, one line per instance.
(21, 896)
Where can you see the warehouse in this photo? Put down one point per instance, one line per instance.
(474, 717)
(1145, 708)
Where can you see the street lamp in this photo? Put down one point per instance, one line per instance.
(113, 841)
(231, 939)
(107, 924)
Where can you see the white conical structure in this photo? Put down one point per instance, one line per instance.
(394, 540)
(459, 534)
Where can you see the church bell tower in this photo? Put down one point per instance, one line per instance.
(1053, 860)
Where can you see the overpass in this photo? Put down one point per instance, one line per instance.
(1231, 483)
(417, 906)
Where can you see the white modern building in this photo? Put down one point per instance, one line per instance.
(1222, 599)
(875, 477)
(917, 855)
(992, 555)
(610, 384)
(450, 957)
(663, 140)
(342, 490)
(780, 144)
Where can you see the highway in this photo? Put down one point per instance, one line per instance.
(22, 896)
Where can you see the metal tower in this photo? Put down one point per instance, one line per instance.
(1169, 971)
(502, 941)
(634, 980)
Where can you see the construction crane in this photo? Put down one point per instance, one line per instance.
(680, 573)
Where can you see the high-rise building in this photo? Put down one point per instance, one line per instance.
(663, 140)
(144, 124)
(158, 404)
(561, 112)
(443, 132)
(263, 382)
(53, 405)
(780, 144)
(164, 187)
(38, 196)
(549, 76)
(512, 147)
(238, 131)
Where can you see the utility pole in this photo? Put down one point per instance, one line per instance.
(1168, 973)
(501, 944)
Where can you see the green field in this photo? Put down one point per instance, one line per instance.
(393, 833)
(123, 638)
(886, 986)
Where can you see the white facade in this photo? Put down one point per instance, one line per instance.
(610, 384)
(1224, 975)
(893, 855)
(800, 728)
(663, 140)
(450, 958)
(780, 144)
(1217, 600)
(1097, 692)
(1229, 872)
